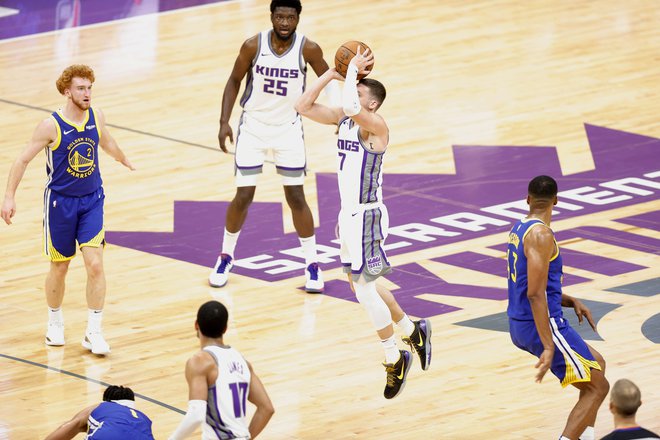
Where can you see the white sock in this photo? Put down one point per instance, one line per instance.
(309, 249)
(94, 318)
(564, 438)
(588, 434)
(55, 315)
(229, 242)
(406, 325)
(391, 351)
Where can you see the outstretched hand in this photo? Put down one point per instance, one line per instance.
(362, 60)
(583, 311)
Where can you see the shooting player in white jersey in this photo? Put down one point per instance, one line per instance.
(363, 220)
(220, 381)
(275, 62)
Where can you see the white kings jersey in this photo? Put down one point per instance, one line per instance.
(359, 171)
(227, 398)
(275, 82)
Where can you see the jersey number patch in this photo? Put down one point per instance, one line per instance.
(239, 394)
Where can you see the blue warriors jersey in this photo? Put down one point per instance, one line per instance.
(519, 307)
(72, 162)
(113, 420)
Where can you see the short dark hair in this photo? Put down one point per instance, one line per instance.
(118, 392)
(212, 319)
(295, 4)
(542, 187)
(376, 89)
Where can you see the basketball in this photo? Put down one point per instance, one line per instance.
(345, 54)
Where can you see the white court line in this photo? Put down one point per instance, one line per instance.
(6, 12)
(111, 22)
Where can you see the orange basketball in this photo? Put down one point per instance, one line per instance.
(345, 54)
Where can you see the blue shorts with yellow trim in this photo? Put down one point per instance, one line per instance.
(68, 220)
(572, 361)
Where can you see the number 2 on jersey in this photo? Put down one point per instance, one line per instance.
(275, 87)
(239, 394)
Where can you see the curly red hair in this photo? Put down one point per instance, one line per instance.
(73, 71)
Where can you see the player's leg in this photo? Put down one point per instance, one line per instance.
(418, 333)
(60, 220)
(304, 225)
(575, 364)
(591, 397)
(356, 244)
(290, 162)
(397, 362)
(91, 237)
(249, 159)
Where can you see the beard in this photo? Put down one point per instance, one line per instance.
(82, 105)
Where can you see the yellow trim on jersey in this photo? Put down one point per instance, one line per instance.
(571, 377)
(58, 139)
(79, 127)
(95, 242)
(556, 248)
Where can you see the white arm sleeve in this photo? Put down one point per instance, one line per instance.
(191, 421)
(333, 94)
(350, 101)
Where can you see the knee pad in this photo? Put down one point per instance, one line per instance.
(367, 295)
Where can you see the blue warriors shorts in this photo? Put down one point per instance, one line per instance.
(362, 233)
(68, 220)
(572, 361)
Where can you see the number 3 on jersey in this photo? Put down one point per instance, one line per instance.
(239, 394)
(512, 258)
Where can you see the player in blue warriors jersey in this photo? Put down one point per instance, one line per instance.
(275, 62)
(73, 199)
(220, 382)
(114, 418)
(536, 321)
(363, 137)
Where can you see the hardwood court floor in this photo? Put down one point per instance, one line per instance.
(500, 73)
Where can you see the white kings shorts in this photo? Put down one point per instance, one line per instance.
(255, 138)
(362, 232)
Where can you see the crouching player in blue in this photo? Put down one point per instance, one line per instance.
(114, 418)
(536, 322)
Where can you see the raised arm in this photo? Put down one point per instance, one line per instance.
(539, 248)
(259, 397)
(368, 120)
(73, 427)
(109, 144)
(314, 56)
(307, 106)
(243, 62)
(42, 136)
(198, 368)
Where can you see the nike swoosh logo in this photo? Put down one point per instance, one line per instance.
(353, 215)
(265, 54)
(67, 132)
(400, 376)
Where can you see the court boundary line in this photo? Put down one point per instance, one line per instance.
(89, 379)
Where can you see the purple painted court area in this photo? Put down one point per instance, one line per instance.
(27, 17)
(484, 197)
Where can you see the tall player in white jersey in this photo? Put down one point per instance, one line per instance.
(363, 220)
(275, 62)
(220, 381)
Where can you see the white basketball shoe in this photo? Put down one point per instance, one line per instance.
(314, 279)
(220, 274)
(55, 333)
(95, 342)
